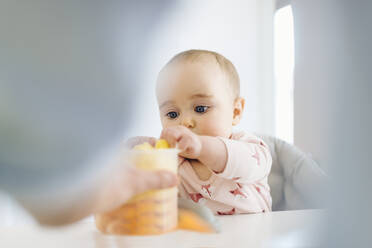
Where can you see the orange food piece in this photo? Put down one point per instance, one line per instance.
(189, 220)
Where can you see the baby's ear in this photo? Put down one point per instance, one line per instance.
(238, 110)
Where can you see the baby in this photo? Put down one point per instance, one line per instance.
(199, 102)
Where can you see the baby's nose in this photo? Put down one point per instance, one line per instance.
(188, 122)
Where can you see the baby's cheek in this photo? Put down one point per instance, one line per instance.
(216, 127)
(168, 123)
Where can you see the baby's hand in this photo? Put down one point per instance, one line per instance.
(184, 139)
(180, 160)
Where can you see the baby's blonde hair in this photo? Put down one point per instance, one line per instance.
(226, 66)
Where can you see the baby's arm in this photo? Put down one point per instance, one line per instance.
(213, 153)
(248, 160)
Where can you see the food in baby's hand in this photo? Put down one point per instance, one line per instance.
(162, 144)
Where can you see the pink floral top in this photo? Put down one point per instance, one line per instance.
(242, 187)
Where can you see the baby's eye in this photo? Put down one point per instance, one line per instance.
(172, 115)
(201, 109)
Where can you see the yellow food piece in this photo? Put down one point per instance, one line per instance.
(162, 144)
(144, 146)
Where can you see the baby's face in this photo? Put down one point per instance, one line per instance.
(198, 96)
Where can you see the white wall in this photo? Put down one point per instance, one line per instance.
(239, 30)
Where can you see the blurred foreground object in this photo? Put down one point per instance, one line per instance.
(154, 211)
(196, 217)
(333, 108)
(69, 72)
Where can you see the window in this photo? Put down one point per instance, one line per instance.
(283, 73)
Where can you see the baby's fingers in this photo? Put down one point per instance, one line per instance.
(180, 160)
(184, 145)
(171, 136)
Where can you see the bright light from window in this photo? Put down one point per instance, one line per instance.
(283, 66)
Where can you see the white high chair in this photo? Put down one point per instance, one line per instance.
(296, 180)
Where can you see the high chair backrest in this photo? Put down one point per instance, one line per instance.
(296, 180)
